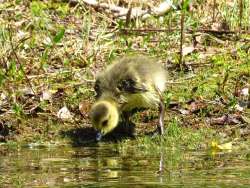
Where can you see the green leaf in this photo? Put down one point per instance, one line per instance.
(37, 8)
(17, 109)
(59, 36)
(185, 5)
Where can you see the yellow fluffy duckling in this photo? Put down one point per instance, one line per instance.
(130, 82)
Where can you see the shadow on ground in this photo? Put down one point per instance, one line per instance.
(87, 135)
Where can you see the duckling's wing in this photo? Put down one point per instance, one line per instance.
(130, 85)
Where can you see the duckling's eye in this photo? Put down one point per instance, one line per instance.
(105, 123)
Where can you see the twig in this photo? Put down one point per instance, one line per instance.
(61, 72)
(225, 79)
(21, 41)
(240, 13)
(52, 73)
(182, 37)
(18, 61)
(212, 31)
(214, 7)
(128, 17)
(198, 64)
(181, 80)
(146, 30)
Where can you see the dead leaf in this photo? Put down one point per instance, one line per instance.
(196, 106)
(245, 91)
(84, 108)
(27, 91)
(187, 50)
(239, 107)
(222, 25)
(21, 34)
(35, 109)
(64, 114)
(3, 99)
(246, 119)
(46, 96)
(208, 40)
(225, 146)
(184, 111)
(230, 119)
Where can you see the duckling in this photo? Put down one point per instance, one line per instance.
(130, 83)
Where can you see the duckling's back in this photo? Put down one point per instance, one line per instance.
(133, 81)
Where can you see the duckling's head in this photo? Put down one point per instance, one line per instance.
(104, 116)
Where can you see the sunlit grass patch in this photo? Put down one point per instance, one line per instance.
(59, 46)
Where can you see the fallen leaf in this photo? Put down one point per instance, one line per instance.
(64, 114)
(46, 96)
(22, 34)
(230, 119)
(208, 40)
(225, 146)
(187, 50)
(245, 91)
(222, 25)
(239, 107)
(47, 41)
(3, 98)
(27, 91)
(246, 119)
(84, 108)
(184, 111)
(196, 106)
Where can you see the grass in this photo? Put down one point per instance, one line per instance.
(177, 137)
(52, 47)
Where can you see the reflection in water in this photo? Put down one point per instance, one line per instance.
(109, 165)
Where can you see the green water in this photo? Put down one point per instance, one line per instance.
(110, 165)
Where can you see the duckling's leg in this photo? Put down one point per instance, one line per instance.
(161, 113)
(161, 117)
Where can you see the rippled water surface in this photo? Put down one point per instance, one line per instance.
(110, 165)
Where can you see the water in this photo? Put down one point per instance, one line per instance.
(110, 165)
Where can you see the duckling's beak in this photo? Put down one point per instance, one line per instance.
(98, 136)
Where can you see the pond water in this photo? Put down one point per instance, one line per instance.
(110, 165)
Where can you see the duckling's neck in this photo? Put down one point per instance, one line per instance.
(109, 99)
